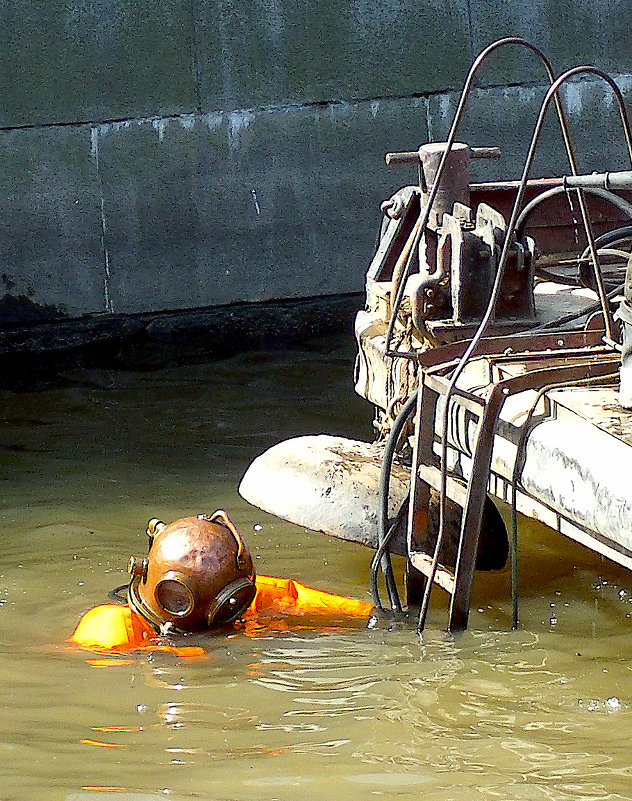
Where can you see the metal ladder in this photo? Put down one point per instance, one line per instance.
(579, 351)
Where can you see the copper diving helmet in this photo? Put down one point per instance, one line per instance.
(197, 575)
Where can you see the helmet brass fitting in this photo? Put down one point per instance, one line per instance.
(197, 575)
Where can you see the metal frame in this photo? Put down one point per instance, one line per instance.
(437, 367)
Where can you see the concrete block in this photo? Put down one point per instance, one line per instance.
(51, 259)
(269, 53)
(213, 209)
(569, 33)
(507, 117)
(65, 61)
(504, 117)
(595, 123)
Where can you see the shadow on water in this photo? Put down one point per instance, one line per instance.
(540, 713)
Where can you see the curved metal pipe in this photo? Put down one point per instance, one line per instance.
(422, 223)
(511, 226)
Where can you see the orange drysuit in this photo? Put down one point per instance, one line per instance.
(119, 628)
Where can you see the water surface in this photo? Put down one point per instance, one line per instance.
(541, 713)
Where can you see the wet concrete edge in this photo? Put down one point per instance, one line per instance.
(146, 341)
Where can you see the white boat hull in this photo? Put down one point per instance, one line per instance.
(325, 483)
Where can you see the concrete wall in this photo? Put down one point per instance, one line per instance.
(172, 155)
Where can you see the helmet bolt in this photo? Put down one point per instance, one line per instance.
(154, 527)
(137, 566)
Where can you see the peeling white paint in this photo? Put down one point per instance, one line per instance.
(445, 103)
(104, 128)
(160, 124)
(121, 125)
(524, 95)
(624, 82)
(253, 192)
(238, 121)
(607, 97)
(375, 108)
(573, 98)
(438, 122)
(187, 121)
(213, 120)
(94, 144)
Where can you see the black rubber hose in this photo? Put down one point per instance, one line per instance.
(383, 535)
(600, 241)
(117, 594)
(610, 237)
(381, 551)
(616, 200)
(571, 316)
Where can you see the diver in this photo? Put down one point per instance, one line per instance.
(198, 576)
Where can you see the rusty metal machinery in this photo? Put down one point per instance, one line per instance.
(445, 271)
(453, 271)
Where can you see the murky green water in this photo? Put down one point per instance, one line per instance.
(542, 713)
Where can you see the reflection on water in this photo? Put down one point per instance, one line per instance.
(541, 713)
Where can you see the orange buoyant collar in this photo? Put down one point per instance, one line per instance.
(111, 627)
(278, 597)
